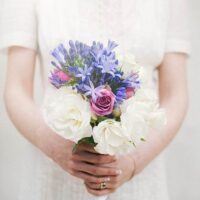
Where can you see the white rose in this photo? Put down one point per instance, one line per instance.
(144, 100)
(134, 123)
(155, 115)
(67, 113)
(110, 138)
(140, 113)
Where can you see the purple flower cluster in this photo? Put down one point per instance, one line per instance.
(91, 70)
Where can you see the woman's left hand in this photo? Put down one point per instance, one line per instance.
(127, 166)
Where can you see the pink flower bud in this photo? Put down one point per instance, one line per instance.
(129, 92)
(62, 76)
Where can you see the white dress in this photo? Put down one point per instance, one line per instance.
(146, 28)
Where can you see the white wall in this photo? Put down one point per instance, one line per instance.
(183, 155)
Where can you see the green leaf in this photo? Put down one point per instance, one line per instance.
(133, 144)
(72, 82)
(102, 118)
(78, 62)
(142, 139)
(93, 122)
(86, 140)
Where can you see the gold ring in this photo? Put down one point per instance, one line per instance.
(102, 185)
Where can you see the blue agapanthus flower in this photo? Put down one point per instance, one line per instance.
(58, 56)
(104, 58)
(84, 72)
(90, 90)
(92, 68)
(78, 53)
(132, 81)
(78, 49)
(120, 95)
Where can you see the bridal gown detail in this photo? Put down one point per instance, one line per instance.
(146, 28)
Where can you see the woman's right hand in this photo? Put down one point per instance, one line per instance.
(83, 163)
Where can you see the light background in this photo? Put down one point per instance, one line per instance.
(183, 155)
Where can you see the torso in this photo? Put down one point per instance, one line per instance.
(139, 27)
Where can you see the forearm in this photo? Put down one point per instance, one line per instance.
(26, 117)
(176, 108)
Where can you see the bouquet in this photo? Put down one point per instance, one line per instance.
(100, 98)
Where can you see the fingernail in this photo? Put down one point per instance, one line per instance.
(118, 171)
(107, 179)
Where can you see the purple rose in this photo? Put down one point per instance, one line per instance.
(104, 102)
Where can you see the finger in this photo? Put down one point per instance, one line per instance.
(96, 170)
(86, 147)
(112, 184)
(97, 186)
(89, 178)
(99, 192)
(93, 158)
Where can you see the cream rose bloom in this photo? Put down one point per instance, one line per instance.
(134, 125)
(156, 116)
(140, 113)
(111, 138)
(67, 113)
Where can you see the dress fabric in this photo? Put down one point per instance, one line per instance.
(146, 28)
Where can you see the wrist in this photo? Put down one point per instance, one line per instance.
(133, 168)
(45, 140)
(139, 161)
(50, 143)
(136, 166)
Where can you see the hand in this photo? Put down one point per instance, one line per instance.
(81, 163)
(90, 166)
(127, 166)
